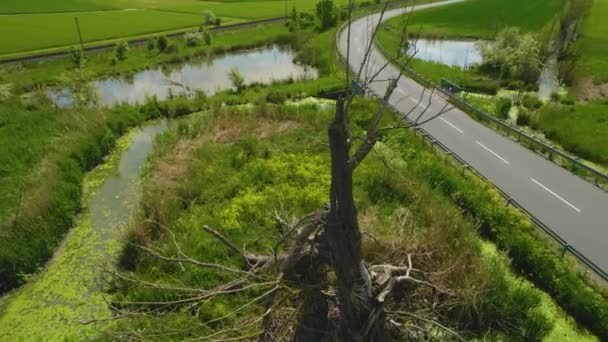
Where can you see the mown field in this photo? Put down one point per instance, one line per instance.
(593, 44)
(119, 19)
(483, 18)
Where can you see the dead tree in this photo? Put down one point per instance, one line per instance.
(329, 240)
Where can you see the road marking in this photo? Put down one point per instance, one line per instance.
(494, 153)
(556, 195)
(418, 103)
(402, 92)
(452, 125)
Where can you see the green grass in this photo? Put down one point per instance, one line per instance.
(593, 43)
(581, 129)
(483, 18)
(94, 27)
(126, 19)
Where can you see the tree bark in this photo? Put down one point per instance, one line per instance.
(343, 236)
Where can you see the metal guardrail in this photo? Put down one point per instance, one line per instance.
(566, 247)
(598, 178)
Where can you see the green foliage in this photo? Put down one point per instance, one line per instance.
(532, 255)
(77, 57)
(237, 79)
(524, 117)
(326, 14)
(503, 106)
(194, 37)
(121, 50)
(513, 54)
(151, 45)
(162, 43)
(209, 18)
(580, 129)
(531, 101)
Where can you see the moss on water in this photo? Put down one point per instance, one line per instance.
(68, 292)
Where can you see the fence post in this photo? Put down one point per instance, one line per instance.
(566, 247)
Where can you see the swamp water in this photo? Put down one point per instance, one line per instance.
(53, 304)
(208, 75)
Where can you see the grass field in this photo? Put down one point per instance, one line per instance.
(103, 20)
(581, 129)
(593, 44)
(483, 18)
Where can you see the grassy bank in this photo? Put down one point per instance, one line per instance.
(592, 46)
(231, 169)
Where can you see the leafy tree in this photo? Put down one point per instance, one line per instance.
(121, 50)
(207, 37)
(513, 54)
(326, 13)
(193, 38)
(209, 18)
(294, 20)
(237, 79)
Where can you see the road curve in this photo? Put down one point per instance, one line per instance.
(575, 210)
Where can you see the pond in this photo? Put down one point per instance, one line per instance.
(456, 53)
(209, 75)
(464, 54)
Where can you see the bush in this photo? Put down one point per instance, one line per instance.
(532, 87)
(481, 86)
(193, 38)
(523, 117)
(172, 48)
(531, 102)
(516, 85)
(209, 18)
(151, 44)
(503, 106)
(237, 79)
(207, 38)
(77, 57)
(276, 97)
(121, 49)
(326, 13)
(162, 43)
(567, 100)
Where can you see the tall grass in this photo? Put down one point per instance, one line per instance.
(581, 129)
(231, 169)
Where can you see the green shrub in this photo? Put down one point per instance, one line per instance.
(481, 86)
(151, 45)
(503, 106)
(162, 43)
(567, 100)
(516, 85)
(121, 49)
(523, 117)
(531, 102)
(276, 97)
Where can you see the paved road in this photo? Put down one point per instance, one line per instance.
(576, 210)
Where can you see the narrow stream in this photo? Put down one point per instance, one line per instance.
(209, 75)
(51, 306)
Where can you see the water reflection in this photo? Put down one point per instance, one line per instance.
(457, 53)
(208, 75)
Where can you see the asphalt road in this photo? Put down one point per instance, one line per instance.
(575, 210)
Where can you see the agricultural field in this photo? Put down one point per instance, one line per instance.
(593, 45)
(103, 20)
(483, 18)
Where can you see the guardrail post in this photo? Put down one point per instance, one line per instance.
(509, 201)
(566, 248)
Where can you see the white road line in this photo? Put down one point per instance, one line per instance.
(452, 125)
(494, 153)
(418, 103)
(556, 195)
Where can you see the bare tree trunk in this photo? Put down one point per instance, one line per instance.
(344, 239)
